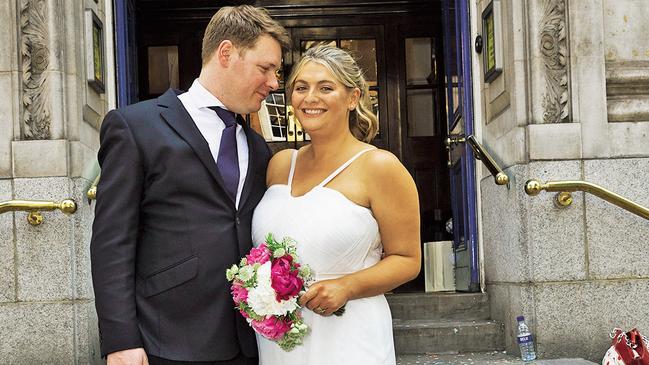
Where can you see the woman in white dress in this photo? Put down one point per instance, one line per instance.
(353, 210)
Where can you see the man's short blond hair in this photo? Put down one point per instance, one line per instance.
(242, 25)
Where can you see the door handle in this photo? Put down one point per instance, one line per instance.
(451, 141)
(480, 153)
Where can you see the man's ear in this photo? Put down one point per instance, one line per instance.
(224, 53)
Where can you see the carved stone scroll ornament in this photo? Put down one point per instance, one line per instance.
(35, 59)
(554, 52)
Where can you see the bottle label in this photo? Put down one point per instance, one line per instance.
(524, 339)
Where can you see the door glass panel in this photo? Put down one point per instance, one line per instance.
(455, 92)
(374, 99)
(419, 86)
(364, 52)
(420, 113)
(418, 61)
(306, 44)
(451, 64)
(163, 69)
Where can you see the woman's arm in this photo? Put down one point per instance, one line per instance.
(395, 204)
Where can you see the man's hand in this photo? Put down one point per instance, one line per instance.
(128, 357)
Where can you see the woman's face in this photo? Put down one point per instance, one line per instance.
(321, 103)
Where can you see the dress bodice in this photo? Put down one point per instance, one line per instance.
(334, 235)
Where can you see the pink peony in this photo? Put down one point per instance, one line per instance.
(239, 293)
(259, 254)
(272, 327)
(285, 281)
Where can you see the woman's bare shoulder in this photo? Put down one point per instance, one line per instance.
(382, 161)
(278, 167)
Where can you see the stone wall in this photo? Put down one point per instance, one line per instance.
(46, 301)
(575, 272)
(48, 140)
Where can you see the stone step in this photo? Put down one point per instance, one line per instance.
(445, 306)
(457, 336)
(482, 358)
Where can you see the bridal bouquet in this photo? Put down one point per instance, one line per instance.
(265, 289)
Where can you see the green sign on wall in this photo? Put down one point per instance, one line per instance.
(491, 34)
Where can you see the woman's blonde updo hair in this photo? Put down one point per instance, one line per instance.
(363, 123)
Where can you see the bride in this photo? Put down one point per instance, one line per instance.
(353, 210)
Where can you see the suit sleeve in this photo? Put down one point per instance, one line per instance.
(114, 235)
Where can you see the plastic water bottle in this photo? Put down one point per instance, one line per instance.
(525, 341)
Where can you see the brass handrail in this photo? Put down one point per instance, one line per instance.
(34, 207)
(534, 187)
(481, 154)
(91, 194)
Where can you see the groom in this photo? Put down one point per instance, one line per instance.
(181, 176)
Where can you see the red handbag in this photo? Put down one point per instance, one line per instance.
(627, 348)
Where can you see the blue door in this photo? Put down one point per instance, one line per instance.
(457, 50)
(125, 52)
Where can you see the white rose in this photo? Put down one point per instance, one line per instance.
(262, 298)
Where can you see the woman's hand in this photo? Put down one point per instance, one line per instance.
(326, 297)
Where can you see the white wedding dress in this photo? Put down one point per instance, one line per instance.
(334, 237)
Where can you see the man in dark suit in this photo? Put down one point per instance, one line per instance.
(181, 176)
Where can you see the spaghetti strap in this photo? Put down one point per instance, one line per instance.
(342, 167)
(292, 170)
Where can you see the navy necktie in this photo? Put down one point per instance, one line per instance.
(228, 159)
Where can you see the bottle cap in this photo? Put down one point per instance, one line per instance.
(520, 318)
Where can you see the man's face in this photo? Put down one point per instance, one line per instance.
(252, 75)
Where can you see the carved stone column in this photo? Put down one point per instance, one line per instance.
(550, 71)
(35, 55)
(41, 49)
(41, 148)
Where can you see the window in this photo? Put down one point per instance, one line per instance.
(420, 86)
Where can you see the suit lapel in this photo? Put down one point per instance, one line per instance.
(175, 114)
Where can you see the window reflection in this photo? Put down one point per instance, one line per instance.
(271, 118)
(420, 86)
(418, 61)
(420, 113)
(364, 52)
(304, 45)
(163, 69)
(374, 99)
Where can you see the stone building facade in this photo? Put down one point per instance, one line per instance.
(571, 104)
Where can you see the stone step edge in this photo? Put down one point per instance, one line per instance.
(400, 324)
(487, 357)
(434, 295)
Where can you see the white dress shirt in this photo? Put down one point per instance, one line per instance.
(197, 101)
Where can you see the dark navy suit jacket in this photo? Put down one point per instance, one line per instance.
(165, 231)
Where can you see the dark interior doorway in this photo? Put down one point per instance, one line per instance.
(398, 43)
